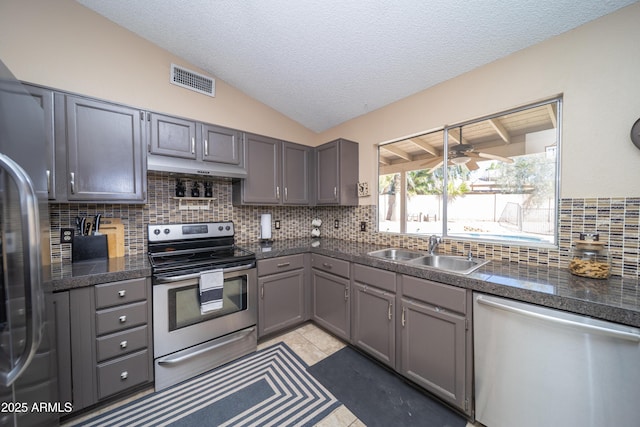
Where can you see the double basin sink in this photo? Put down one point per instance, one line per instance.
(450, 263)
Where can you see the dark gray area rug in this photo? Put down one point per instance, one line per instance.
(379, 397)
(269, 388)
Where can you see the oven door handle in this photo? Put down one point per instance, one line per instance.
(229, 340)
(161, 279)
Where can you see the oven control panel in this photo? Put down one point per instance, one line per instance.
(168, 232)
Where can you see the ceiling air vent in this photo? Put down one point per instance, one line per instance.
(192, 80)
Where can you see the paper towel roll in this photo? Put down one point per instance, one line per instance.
(265, 226)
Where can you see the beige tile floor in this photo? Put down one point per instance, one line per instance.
(309, 342)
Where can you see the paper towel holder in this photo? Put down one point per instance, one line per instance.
(265, 229)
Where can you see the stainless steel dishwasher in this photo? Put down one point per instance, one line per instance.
(536, 367)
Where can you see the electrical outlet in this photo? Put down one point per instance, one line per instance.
(277, 224)
(336, 223)
(363, 226)
(66, 235)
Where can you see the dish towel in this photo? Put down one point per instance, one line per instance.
(211, 286)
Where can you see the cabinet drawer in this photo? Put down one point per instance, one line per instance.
(375, 277)
(122, 373)
(117, 293)
(280, 264)
(330, 265)
(437, 294)
(121, 317)
(121, 343)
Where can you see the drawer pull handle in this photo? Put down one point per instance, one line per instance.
(122, 293)
(327, 265)
(284, 264)
(122, 319)
(123, 344)
(124, 375)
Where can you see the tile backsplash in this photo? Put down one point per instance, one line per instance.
(616, 219)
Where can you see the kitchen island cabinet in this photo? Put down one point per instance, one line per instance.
(330, 287)
(281, 284)
(373, 313)
(99, 151)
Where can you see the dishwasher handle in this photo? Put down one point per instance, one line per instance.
(629, 336)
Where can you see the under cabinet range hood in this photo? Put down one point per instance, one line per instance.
(194, 167)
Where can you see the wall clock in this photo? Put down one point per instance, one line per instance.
(635, 133)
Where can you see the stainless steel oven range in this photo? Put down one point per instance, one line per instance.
(204, 299)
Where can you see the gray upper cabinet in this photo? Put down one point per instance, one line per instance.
(278, 173)
(172, 136)
(337, 173)
(177, 137)
(221, 145)
(44, 97)
(104, 153)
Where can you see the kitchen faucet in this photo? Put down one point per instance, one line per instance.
(434, 241)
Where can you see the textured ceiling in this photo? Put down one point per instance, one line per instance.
(323, 62)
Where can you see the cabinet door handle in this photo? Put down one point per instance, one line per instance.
(73, 182)
(124, 375)
(346, 293)
(122, 293)
(122, 319)
(335, 192)
(403, 316)
(284, 264)
(123, 344)
(206, 147)
(286, 195)
(261, 292)
(277, 192)
(48, 181)
(389, 311)
(193, 145)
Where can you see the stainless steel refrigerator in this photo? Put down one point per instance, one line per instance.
(28, 371)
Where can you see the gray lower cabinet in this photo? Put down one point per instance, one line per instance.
(281, 284)
(330, 287)
(111, 340)
(436, 349)
(278, 173)
(63, 345)
(99, 150)
(337, 173)
(373, 314)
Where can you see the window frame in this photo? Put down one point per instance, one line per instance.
(555, 100)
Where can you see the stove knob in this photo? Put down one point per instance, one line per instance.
(220, 228)
(156, 231)
(227, 228)
(167, 231)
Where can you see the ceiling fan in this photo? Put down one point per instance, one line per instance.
(464, 154)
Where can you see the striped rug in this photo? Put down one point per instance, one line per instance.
(269, 388)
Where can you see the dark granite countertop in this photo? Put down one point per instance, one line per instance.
(614, 299)
(65, 276)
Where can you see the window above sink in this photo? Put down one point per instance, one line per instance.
(501, 182)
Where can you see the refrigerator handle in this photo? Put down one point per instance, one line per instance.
(630, 336)
(34, 295)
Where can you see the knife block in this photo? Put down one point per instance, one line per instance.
(89, 247)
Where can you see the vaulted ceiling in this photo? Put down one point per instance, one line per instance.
(323, 62)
